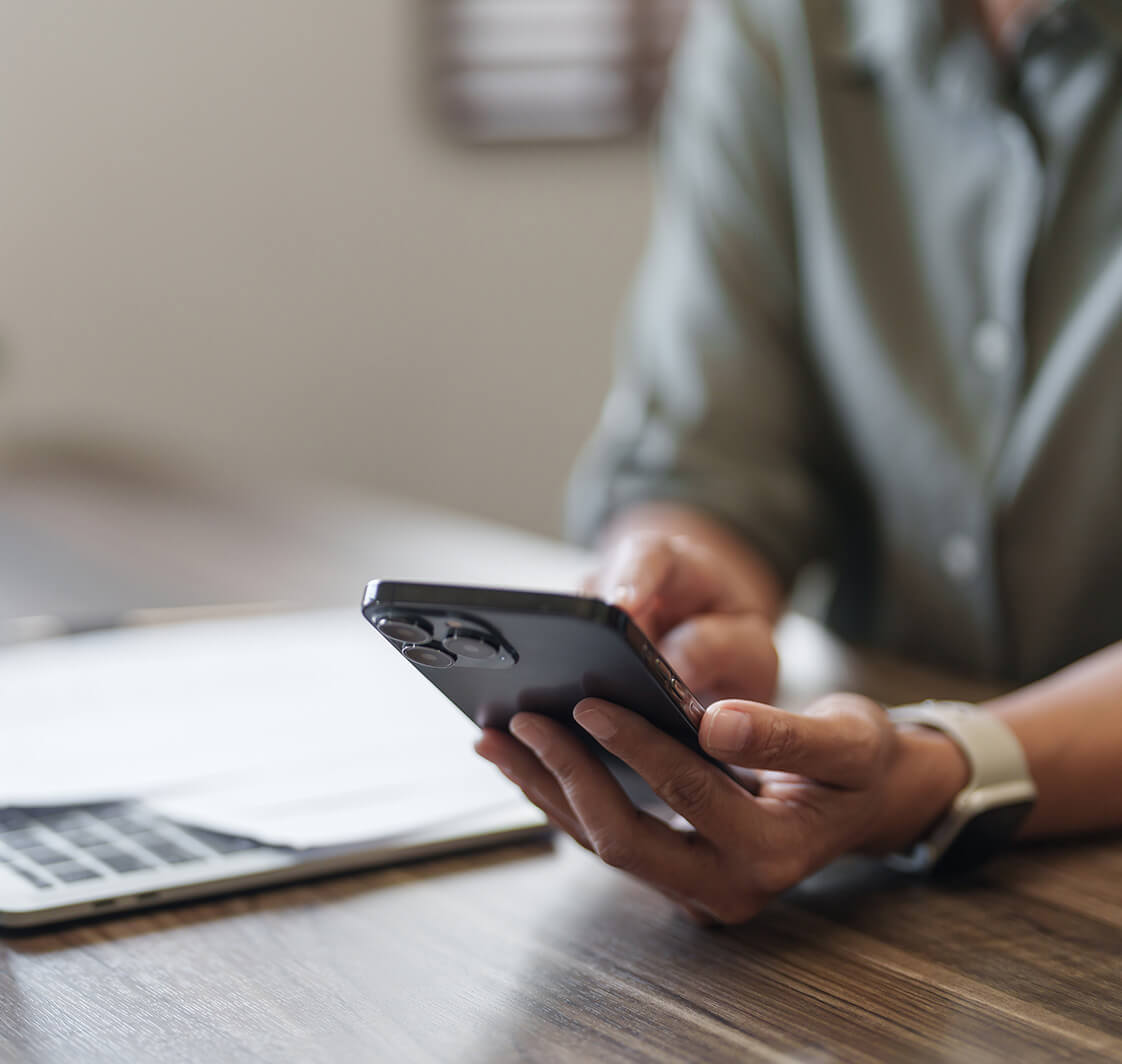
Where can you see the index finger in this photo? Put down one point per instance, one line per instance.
(640, 580)
(622, 835)
(718, 807)
(633, 577)
(663, 580)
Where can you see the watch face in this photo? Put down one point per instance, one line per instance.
(981, 837)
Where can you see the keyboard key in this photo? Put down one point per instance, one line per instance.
(84, 837)
(21, 840)
(118, 860)
(149, 839)
(44, 855)
(72, 872)
(128, 825)
(60, 819)
(221, 843)
(171, 853)
(32, 877)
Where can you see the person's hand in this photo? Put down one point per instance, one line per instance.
(837, 779)
(709, 614)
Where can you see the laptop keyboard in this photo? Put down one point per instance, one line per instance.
(52, 847)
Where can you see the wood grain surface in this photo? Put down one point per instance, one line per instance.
(540, 953)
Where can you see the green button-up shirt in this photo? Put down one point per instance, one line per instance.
(880, 320)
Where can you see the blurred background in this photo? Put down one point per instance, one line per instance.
(382, 244)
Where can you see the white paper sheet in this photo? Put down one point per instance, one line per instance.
(343, 799)
(301, 729)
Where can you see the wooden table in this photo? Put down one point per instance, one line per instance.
(537, 952)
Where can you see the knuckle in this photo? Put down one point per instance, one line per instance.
(848, 706)
(618, 853)
(688, 790)
(838, 704)
(702, 561)
(779, 742)
(567, 773)
(649, 549)
(867, 746)
(866, 726)
(780, 873)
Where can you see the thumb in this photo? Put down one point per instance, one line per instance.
(841, 740)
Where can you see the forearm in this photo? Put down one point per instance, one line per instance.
(744, 564)
(1070, 726)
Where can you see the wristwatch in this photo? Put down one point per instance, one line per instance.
(988, 810)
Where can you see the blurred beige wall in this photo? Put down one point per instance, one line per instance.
(230, 235)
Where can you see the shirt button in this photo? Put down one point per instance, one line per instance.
(993, 347)
(960, 557)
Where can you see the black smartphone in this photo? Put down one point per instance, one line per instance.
(496, 652)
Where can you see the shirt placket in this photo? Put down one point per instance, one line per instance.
(995, 360)
(999, 339)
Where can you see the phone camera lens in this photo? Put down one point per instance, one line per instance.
(430, 657)
(471, 645)
(405, 629)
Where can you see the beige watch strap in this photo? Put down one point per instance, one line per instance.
(999, 772)
(994, 752)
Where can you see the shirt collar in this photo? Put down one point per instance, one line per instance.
(880, 35)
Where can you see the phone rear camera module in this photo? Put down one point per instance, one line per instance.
(405, 629)
(474, 646)
(429, 656)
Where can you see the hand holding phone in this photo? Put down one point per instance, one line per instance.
(706, 601)
(843, 773)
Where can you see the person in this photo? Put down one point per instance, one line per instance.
(880, 323)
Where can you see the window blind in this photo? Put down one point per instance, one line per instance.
(517, 70)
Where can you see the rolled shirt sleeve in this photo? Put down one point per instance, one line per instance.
(714, 404)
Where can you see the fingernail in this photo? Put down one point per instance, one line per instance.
(526, 730)
(596, 722)
(728, 730)
(623, 593)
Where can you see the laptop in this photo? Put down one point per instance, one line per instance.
(73, 862)
(256, 751)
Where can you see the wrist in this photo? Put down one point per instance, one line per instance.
(927, 773)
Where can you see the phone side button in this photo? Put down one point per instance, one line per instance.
(692, 708)
(695, 711)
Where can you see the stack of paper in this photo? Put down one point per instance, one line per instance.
(303, 730)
